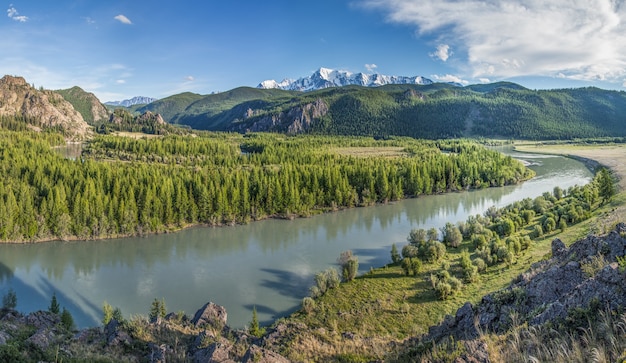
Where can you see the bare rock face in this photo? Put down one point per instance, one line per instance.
(216, 352)
(257, 354)
(40, 108)
(211, 314)
(294, 121)
(148, 117)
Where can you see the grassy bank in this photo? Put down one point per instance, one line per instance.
(368, 318)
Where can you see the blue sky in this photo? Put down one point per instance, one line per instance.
(120, 49)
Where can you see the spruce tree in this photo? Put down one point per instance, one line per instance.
(54, 305)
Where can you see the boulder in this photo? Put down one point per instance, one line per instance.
(216, 352)
(211, 314)
(256, 354)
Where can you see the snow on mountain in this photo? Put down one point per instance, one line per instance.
(325, 77)
(138, 100)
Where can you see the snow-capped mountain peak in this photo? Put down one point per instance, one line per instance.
(138, 100)
(326, 77)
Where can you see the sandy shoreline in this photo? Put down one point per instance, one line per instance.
(612, 156)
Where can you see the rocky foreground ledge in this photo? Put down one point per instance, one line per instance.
(40, 336)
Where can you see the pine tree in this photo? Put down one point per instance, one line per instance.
(67, 320)
(255, 328)
(606, 188)
(54, 305)
(107, 313)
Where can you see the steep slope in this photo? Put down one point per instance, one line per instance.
(40, 108)
(86, 103)
(568, 291)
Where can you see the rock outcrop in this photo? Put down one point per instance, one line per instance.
(296, 120)
(210, 314)
(40, 108)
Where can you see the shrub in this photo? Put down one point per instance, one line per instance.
(67, 320)
(480, 264)
(395, 256)
(308, 305)
(410, 251)
(452, 235)
(411, 266)
(470, 272)
(443, 290)
(435, 251)
(349, 265)
(417, 237)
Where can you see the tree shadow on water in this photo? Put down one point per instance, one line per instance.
(287, 283)
(32, 297)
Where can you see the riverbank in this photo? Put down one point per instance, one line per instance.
(368, 317)
(611, 156)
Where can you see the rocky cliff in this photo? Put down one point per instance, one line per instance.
(295, 120)
(40, 108)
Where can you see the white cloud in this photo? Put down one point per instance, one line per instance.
(484, 80)
(190, 78)
(14, 14)
(580, 39)
(120, 81)
(122, 19)
(371, 67)
(443, 52)
(449, 78)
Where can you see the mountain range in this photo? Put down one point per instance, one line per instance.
(432, 110)
(325, 78)
(137, 100)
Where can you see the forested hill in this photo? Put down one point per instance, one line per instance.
(432, 111)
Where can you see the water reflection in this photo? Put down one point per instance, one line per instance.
(268, 264)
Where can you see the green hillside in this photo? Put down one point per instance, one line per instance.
(440, 110)
(86, 103)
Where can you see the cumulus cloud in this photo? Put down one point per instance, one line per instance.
(443, 52)
(123, 19)
(14, 14)
(580, 39)
(371, 67)
(449, 78)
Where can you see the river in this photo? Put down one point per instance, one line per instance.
(268, 264)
